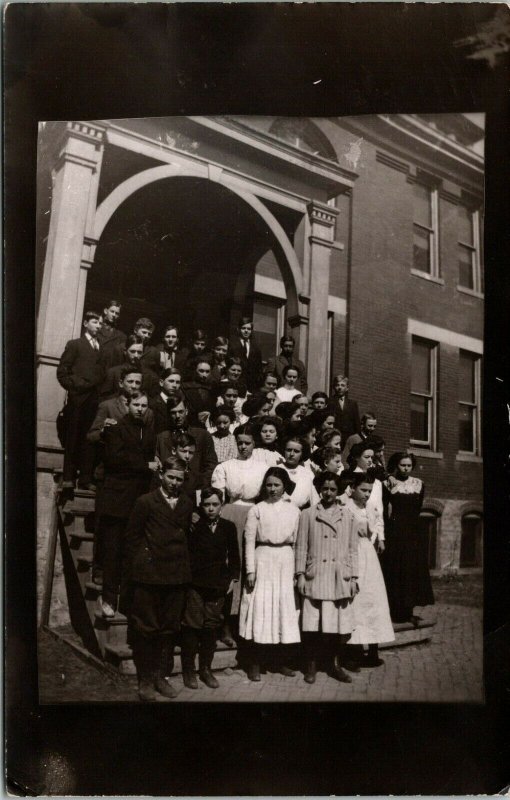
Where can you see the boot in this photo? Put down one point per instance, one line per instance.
(311, 649)
(338, 657)
(205, 657)
(253, 654)
(189, 647)
(284, 655)
(143, 657)
(226, 635)
(372, 659)
(161, 683)
(353, 655)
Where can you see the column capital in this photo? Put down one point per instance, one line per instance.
(322, 213)
(82, 143)
(88, 252)
(88, 131)
(297, 320)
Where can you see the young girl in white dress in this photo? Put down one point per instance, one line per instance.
(370, 609)
(268, 620)
(295, 451)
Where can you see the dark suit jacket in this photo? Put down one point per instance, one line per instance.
(112, 343)
(278, 364)
(214, 556)
(152, 359)
(81, 370)
(347, 420)
(159, 409)
(156, 546)
(199, 397)
(205, 458)
(128, 448)
(252, 366)
(110, 387)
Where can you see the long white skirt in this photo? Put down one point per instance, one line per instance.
(269, 613)
(371, 613)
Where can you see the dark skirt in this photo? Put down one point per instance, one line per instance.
(405, 562)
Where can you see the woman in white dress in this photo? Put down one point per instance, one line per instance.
(240, 479)
(269, 611)
(295, 451)
(370, 609)
(361, 459)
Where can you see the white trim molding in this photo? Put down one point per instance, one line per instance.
(276, 288)
(433, 333)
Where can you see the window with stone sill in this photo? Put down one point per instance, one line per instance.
(469, 249)
(425, 229)
(471, 542)
(469, 416)
(424, 398)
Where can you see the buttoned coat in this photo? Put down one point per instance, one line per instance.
(326, 553)
(347, 420)
(252, 366)
(112, 343)
(81, 370)
(128, 449)
(156, 541)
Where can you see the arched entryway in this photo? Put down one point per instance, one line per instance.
(173, 247)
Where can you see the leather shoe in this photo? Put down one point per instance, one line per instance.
(311, 672)
(372, 662)
(340, 675)
(189, 679)
(289, 673)
(254, 672)
(352, 666)
(146, 692)
(165, 688)
(208, 678)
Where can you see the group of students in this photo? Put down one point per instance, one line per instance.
(231, 505)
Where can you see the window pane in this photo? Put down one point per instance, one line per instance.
(421, 249)
(265, 325)
(420, 367)
(471, 541)
(422, 205)
(466, 377)
(419, 418)
(465, 225)
(467, 428)
(465, 261)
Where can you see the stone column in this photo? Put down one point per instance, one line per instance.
(322, 219)
(69, 253)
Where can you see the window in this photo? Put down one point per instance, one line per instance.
(468, 249)
(469, 402)
(269, 322)
(428, 530)
(425, 227)
(423, 392)
(471, 541)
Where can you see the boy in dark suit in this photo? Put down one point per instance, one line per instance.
(129, 463)
(205, 458)
(200, 393)
(81, 373)
(214, 556)
(170, 384)
(286, 358)
(158, 569)
(111, 339)
(346, 411)
(246, 348)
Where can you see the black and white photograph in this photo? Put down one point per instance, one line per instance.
(260, 353)
(257, 403)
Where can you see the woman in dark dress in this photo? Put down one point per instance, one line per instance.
(405, 561)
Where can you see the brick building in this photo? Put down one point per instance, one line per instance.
(361, 236)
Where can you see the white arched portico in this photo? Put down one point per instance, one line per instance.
(288, 261)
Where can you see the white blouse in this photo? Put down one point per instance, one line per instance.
(284, 395)
(274, 523)
(375, 510)
(242, 480)
(271, 458)
(305, 492)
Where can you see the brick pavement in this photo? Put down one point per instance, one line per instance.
(446, 669)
